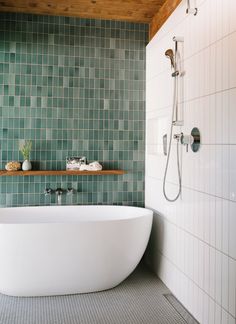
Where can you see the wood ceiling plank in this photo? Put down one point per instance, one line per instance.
(154, 12)
(127, 10)
(161, 16)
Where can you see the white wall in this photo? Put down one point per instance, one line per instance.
(193, 244)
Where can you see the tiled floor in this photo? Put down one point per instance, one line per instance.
(139, 299)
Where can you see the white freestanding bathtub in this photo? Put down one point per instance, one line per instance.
(56, 250)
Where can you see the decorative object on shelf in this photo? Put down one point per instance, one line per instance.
(13, 166)
(74, 163)
(26, 165)
(25, 150)
(94, 166)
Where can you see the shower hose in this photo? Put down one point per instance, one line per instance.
(174, 109)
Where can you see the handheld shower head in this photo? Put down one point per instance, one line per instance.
(170, 54)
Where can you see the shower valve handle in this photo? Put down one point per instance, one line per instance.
(48, 191)
(184, 139)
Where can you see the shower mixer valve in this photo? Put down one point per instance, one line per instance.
(193, 139)
(184, 139)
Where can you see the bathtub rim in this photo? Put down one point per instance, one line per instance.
(29, 219)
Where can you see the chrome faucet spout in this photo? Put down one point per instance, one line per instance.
(59, 192)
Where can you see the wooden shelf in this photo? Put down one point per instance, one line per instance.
(59, 172)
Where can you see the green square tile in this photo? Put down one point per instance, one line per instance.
(60, 92)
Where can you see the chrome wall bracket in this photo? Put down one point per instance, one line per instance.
(191, 10)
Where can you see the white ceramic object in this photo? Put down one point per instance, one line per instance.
(26, 165)
(94, 166)
(57, 250)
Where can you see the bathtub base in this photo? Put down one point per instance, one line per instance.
(70, 255)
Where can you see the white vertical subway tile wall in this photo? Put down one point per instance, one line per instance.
(193, 242)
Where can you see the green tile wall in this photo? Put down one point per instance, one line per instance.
(74, 87)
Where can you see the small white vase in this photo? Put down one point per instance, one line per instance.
(26, 165)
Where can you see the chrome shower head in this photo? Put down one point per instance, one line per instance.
(170, 54)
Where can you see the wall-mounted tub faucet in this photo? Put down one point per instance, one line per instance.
(59, 192)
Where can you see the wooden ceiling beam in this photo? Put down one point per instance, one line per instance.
(161, 16)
